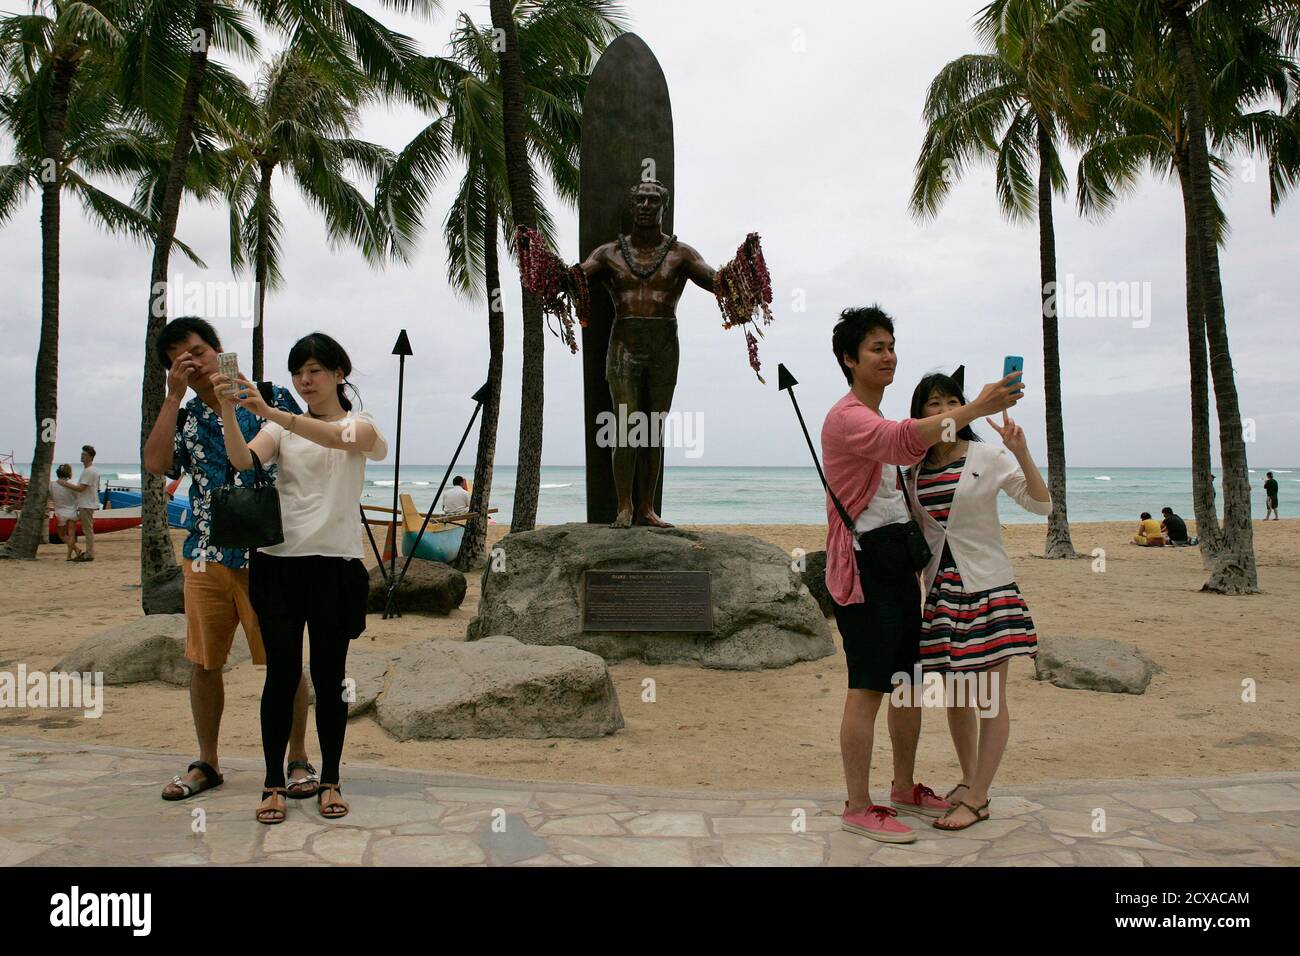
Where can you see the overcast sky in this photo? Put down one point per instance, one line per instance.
(800, 121)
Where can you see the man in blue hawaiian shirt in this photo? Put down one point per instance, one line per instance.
(216, 579)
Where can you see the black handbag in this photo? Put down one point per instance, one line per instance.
(246, 517)
(893, 545)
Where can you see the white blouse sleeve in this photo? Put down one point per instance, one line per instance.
(379, 450)
(275, 432)
(1017, 487)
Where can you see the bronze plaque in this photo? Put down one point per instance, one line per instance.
(647, 601)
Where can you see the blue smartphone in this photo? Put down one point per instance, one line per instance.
(1013, 364)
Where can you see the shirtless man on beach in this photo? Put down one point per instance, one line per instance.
(645, 274)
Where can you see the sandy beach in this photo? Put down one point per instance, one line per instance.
(778, 728)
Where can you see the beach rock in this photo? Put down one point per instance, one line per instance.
(763, 616)
(429, 587)
(497, 687)
(1094, 663)
(164, 593)
(366, 670)
(814, 579)
(152, 648)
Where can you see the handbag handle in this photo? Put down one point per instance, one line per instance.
(260, 477)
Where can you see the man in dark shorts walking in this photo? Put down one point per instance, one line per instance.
(1270, 496)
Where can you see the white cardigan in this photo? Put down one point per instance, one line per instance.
(974, 533)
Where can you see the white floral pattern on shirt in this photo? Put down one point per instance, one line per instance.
(199, 448)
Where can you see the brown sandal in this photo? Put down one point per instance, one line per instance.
(272, 814)
(335, 808)
(981, 814)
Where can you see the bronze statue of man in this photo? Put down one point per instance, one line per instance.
(645, 274)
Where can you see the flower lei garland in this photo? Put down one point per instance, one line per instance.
(562, 290)
(743, 289)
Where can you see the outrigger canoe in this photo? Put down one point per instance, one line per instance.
(118, 519)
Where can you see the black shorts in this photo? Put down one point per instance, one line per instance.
(327, 594)
(882, 636)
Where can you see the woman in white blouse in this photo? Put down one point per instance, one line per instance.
(315, 577)
(975, 620)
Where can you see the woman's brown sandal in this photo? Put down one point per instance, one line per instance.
(272, 813)
(981, 814)
(335, 808)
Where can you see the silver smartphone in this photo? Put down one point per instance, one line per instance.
(228, 365)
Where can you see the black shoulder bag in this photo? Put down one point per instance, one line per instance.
(901, 544)
(246, 517)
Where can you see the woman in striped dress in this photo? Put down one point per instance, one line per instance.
(975, 619)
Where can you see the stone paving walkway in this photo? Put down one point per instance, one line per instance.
(86, 805)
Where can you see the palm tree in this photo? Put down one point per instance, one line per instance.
(1141, 124)
(1010, 106)
(343, 30)
(306, 107)
(469, 131)
(59, 107)
(519, 174)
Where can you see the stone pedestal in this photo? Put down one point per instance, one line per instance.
(763, 615)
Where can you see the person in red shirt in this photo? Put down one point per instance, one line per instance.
(878, 602)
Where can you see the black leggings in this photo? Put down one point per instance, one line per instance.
(322, 595)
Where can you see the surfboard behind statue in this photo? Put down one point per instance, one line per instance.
(627, 137)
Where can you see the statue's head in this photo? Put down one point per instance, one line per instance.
(649, 199)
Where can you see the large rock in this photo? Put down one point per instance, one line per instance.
(497, 687)
(366, 670)
(152, 648)
(164, 593)
(763, 616)
(814, 579)
(1094, 663)
(429, 587)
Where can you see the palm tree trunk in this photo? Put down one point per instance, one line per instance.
(519, 174)
(474, 544)
(260, 267)
(1234, 569)
(157, 559)
(32, 526)
(1058, 543)
(1207, 521)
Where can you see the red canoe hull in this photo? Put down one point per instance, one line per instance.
(120, 520)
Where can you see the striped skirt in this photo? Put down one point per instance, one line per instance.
(963, 631)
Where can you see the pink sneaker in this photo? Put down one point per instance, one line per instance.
(920, 800)
(876, 823)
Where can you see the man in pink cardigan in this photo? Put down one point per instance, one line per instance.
(877, 598)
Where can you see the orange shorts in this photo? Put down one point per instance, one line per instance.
(216, 602)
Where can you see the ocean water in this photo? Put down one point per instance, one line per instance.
(695, 495)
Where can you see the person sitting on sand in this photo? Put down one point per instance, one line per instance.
(314, 578)
(188, 439)
(1148, 532)
(1173, 527)
(975, 620)
(63, 502)
(877, 599)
